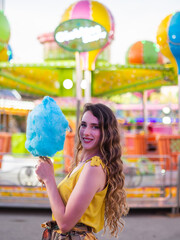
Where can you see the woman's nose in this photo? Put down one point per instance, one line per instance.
(87, 131)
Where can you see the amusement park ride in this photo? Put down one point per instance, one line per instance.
(69, 58)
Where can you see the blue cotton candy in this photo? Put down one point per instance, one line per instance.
(46, 129)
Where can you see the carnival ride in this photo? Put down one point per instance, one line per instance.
(49, 78)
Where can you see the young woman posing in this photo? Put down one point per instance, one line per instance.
(92, 195)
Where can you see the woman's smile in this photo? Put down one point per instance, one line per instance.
(87, 140)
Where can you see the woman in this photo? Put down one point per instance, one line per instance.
(94, 190)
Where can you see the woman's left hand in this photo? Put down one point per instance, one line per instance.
(44, 170)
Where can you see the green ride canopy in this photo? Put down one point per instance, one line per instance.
(47, 78)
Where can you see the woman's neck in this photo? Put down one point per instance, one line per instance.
(88, 155)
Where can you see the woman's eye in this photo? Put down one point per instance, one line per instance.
(95, 127)
(83, 125)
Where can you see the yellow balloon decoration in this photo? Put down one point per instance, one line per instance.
(4, 55)
(162, 40)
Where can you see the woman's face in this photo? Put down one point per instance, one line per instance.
(90, 133)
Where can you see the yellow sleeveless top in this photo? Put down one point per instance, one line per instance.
(94, 214)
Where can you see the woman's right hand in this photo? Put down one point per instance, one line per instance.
(44, 170)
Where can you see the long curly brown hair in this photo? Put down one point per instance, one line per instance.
(110, 149)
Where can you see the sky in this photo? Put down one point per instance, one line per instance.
(135, 20)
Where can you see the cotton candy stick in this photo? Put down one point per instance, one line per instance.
(46, 129)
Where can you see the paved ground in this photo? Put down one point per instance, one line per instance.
(24, 224)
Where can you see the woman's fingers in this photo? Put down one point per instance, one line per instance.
(44, 159)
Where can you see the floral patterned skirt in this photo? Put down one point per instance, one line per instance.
(79, 232)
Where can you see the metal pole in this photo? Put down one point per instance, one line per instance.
(171, 175)
(1, 119)
(178, 185)
(163, 175)
(145, 113)
(87, 76)
(78, 88)
(2, 5)
(179, 104)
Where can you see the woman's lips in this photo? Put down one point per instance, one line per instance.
(87, 140)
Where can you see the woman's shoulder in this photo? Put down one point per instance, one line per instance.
(95, 169)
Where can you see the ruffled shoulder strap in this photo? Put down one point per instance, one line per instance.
(96, 161)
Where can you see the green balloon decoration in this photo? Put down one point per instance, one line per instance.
(4, 31)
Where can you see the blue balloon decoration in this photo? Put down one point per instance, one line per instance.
(9, 52)
(174, 37)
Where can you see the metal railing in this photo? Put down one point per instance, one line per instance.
(152, 181)
(148, 182)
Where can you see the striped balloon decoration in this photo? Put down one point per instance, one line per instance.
(144, 52)
(96, 12)
(4, 31)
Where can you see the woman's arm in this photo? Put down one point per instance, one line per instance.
(91, 180)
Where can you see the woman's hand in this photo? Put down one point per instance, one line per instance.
(44, 170)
